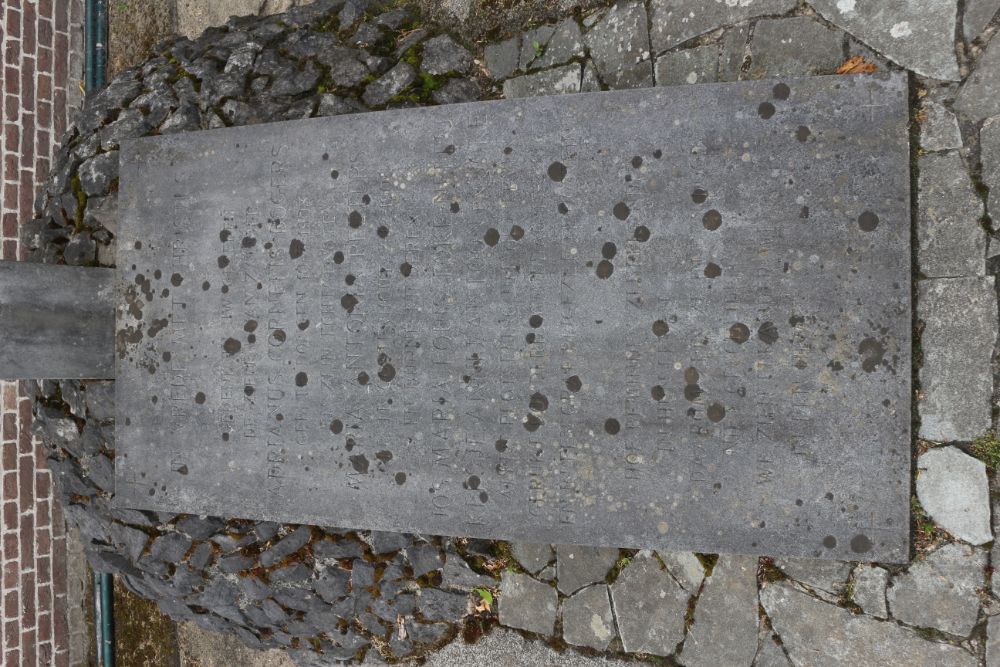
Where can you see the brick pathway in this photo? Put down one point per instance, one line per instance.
(41, 43)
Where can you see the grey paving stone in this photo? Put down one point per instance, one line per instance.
(989, 142)
(590, 82)
(533, 43)
(457, 575)
(826, 577)
(869, 590)
(673, 22)
(769, 653)
(735, 53)
(805, 623)
(457, 90)
(442, 55)
(798, 46)
(553, 81)
(169, 548)
(953, 489)
(97, 173)
(389, 85)
(438, 605)
(993, 641)
(502, 57)
(960, 323)
(532, 557)
(577, 566)
(725, 627)
(130, 541)
(424, 557)
(940, 591)
(939, 129)
(587, 619)
(978, 13)
(697, 65)
(916, 35)
(649, 606)
(286, 546)
(685, 567)
(951, 242)
(564, 44)
(619, 46)
(527, 604)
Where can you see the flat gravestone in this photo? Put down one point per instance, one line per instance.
(674, 318)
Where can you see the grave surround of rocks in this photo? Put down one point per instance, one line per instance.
(329, 594)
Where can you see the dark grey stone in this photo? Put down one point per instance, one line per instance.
(334, 105)
(100, 401)
(184, 119)
(424, 557)
(346, 66)
(532, 557)
(443, 55)
(343, 548)
(100, 470)
(81, 249)
(331, 584)
(533, 43)
(362, 575)
(291, 573)
(384, 542)
(457, 90)
(235, 563)
(457, 575)
(97, 173)
(390, 84)
(527, 604)
(201, 556)
(286, 546)
(57, 322)
(697, 65)
(762, 410)
(73, 397)
(130, 540)
(169, 548)
(565, 44)
(200, 528)
(437, 605)
(296, 82)
(950, 240)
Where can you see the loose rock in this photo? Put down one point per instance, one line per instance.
(869, 590)
(527, 604)
(650, 607)
(940, 591)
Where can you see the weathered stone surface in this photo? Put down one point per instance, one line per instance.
(978, 14)
(97, 173)
(457, 90)
(578, 566)
(587, 619)
(169, 548)
(619, 46)
(389, 85)
(769, 653)
(649, 606)
(502, 57)
(507, 648)
(869, 590)
(685, 567)
(796, 46)
(953, 489)
(57, 322)
(565, 43)
(457, 575)
(989, 142)
(532, 557)
(822, 635)
(443, 55)
(725, 625)
(951, 242)
(553, 81)
(916, 35)
(993, 641)
(674, 22)
(835, 445)
(941, 590)
(286, 546)
(438, 605)
(533, 43)
(979, 96)
(527, 604)
(825, 577)
(697, 65)
(939, 128)
(960, 328)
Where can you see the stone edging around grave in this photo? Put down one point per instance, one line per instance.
(347, 594)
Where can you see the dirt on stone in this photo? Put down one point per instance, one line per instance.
(134, 26)
(143, 634)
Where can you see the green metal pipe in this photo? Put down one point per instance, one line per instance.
(107, 620)
(95, 31)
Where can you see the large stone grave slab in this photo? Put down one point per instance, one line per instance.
(673, 318)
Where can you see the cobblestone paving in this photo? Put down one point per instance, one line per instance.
(380, 596)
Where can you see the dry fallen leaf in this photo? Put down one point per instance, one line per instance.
(857, 65)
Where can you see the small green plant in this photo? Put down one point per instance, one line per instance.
(987, 450)
(485, 594)
(537, 47)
